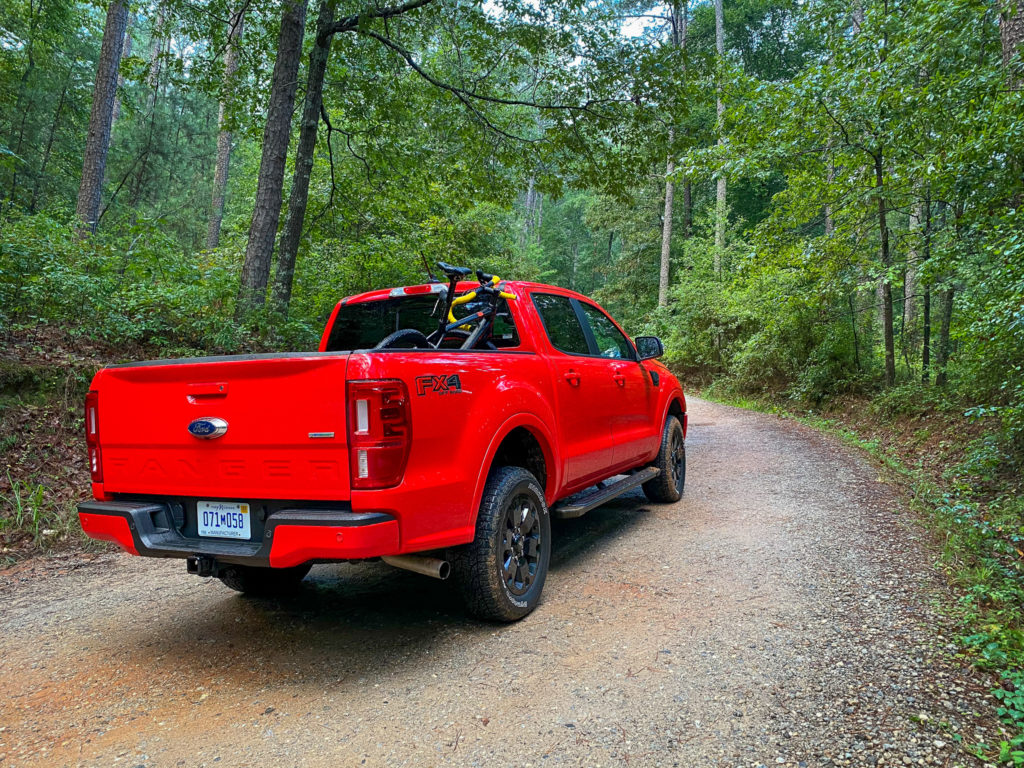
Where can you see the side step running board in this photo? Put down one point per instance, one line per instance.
(578, 505)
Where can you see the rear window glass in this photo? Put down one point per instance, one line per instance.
(364, 324)
(561, 323)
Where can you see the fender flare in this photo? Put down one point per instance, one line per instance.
(547, 446)
(676, 395)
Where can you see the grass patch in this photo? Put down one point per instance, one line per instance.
(31, 518)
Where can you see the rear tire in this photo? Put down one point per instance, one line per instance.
(501, 573)
(668, 486)
(263, 582)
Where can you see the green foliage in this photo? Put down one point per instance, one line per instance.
(1011, 712)
(910, 398)
(25, 511)
(130, 287)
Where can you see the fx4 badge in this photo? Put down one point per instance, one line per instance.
(439, 385)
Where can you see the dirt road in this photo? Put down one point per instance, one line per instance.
(783, 613)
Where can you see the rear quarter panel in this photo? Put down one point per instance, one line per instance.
(456, 430)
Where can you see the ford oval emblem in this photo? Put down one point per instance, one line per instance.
(207, 427)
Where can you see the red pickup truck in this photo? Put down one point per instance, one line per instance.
(438, 443)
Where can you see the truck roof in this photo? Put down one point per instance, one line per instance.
(465, 285)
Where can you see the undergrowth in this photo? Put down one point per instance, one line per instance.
(27, 512)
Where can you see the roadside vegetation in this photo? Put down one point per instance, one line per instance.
(816, 205)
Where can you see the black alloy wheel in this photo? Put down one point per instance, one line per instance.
(668, 486)
(677, 461)
(520, 557)
(501, 573)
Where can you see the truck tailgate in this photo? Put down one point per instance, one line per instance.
(285, 437)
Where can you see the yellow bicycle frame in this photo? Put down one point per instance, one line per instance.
(468, 297)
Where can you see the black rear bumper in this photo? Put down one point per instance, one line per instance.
(162, 528)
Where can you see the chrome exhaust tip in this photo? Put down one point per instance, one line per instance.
(427, 566)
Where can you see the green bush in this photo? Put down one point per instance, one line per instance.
(135, 286)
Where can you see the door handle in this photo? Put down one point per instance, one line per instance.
(573, 378)
(620, 378)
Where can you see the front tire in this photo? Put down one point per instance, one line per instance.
(667, 487)
(501, 573)
(263, 582)
(407, 338)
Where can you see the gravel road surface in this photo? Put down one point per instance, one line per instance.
(786, 612)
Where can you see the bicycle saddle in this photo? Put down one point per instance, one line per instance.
(451, 271)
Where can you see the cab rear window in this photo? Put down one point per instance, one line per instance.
(363, 325)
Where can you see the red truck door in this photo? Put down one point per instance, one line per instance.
(583, 387)
(631, 398)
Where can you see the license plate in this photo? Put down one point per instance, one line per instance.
(223, 519)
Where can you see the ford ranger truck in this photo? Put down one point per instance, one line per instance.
(445, 458)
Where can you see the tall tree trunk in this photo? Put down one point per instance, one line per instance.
(687, 196)
(666, 226)
(926, 310)
(883, 233)
(20, 107)
(252, 292)
(288, 248)
(156, 48)
(720, 192)
(539, 215)
(680, 12)
(126, 51)
(945, 320)
(97, 142)
(857, 17)
(853, 325)
(926, 336)
(220, 175)
(910, 280)
(1011, 32)
(687, 210)
(171, 170)
(526, 234)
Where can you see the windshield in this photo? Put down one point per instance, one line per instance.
(364, 324)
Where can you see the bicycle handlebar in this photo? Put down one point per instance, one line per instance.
(486, 289)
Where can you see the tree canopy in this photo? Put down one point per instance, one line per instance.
(869, 237)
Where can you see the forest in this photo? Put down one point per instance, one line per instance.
(803, 198)
(812, 203)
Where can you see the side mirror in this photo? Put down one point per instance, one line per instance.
(649, 347)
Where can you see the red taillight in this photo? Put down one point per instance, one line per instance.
(92, 435)
(379, 432)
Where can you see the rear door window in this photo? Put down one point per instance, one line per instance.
(561, 323)
(610, 340)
